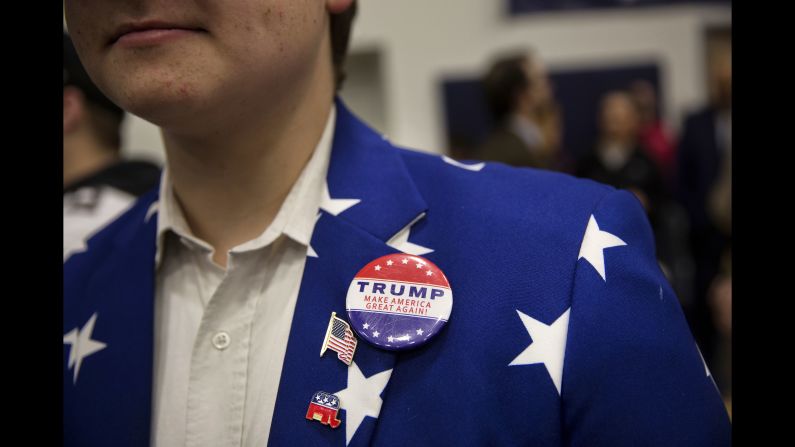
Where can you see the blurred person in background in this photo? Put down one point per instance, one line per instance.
(617, 157)
(528, 123)
(704, 188)
(653, 134)
(98, 183)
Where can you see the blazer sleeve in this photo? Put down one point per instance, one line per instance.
(632, 374)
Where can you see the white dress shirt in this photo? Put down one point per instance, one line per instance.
(221, 335)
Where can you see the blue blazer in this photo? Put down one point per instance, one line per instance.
(564, 331)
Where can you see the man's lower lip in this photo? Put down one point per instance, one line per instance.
(152, 37)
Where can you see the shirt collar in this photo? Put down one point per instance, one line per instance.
(296, 217)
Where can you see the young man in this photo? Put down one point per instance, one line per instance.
(196, 318)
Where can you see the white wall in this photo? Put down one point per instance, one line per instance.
(424, 41)
(141, 140)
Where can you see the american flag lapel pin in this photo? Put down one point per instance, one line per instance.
(340, 339)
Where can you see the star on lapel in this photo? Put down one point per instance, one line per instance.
(361, 398)
(706, 369)
(473, 167)
(704, 362)
(335, 206)
(153, 209)
(400, 241)
(548, 345)
(593, 245)
(82, 345)
(311, 251)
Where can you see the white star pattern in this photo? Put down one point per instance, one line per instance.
(389, 262)
(82, 345)
(419, 331)
(311, 251)
(153, 208)
(377, 268)
(335, 206)
(390, 339)
(405, 261)
(474, 167)
(366, 326)
(419, 266)
(376, 334)
(706, 369)
(428, 273)
(361, 398)
(548, 345)
(400, 241)
(593, 244)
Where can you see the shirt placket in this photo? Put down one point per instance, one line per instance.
(219, 364)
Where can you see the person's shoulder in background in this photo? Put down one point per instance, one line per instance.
(134, 177)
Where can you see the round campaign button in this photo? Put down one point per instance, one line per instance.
(399, 301)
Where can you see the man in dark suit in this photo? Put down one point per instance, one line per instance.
(526, 117)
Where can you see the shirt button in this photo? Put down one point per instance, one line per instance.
(221, 340)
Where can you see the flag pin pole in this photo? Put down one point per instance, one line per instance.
(328, 332)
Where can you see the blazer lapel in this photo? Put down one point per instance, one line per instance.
(347, 236)
(108, 327)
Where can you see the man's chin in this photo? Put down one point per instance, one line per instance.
(165, 109)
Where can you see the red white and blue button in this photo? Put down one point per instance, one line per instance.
(399, 301)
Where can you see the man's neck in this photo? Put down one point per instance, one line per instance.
(230, 185)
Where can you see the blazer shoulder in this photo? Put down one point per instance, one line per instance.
(507, 191)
